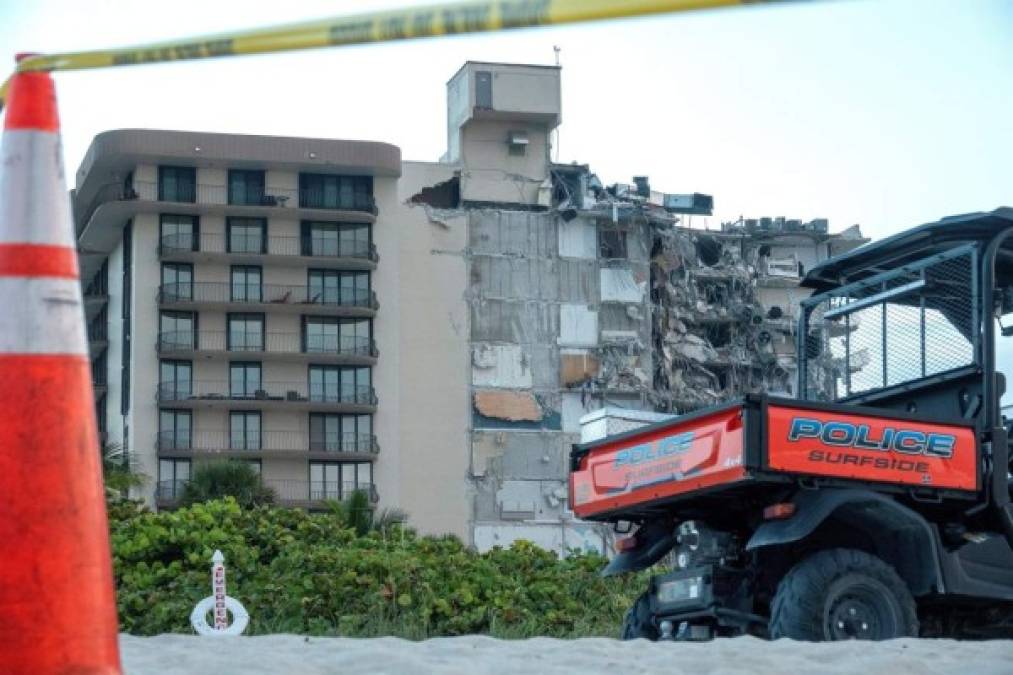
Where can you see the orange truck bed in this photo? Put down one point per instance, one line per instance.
(770, 439)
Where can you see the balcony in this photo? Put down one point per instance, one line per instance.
(321, 199)
(295, 493)
(277, 346)
(203, 198)
(268, 444)
(271, 395)
(273, 297)
(292, 250)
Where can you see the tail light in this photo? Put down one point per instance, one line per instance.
(626, 544)
(779, 511)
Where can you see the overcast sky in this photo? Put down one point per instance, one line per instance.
(886, 113)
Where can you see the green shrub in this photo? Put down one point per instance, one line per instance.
(308, 573)
(216, 480)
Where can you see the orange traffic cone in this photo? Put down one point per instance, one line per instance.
(57, 609)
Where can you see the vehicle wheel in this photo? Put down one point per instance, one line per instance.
(842, 594)
(637, 622)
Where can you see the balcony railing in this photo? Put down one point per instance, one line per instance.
(319, 199)
(266, 294)
(289, 392)
(219, 194)
(294, 492)
(275, 343)
(294, 441)
(212, 242)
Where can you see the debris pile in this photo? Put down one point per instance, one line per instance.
(712, 339)
(722, 307)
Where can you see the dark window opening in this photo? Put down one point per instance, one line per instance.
(332, 335)
(341, 433)
(245, 333)
(341, 384)
(244, 430)
(245, 380)
(483, 89)
(177, 282)
(177, 330)
(332, 287)
(246, 187)
(612, 244)
(128, 265)
(345, 240)
(246, 235)
(338, 480)
(246, 284)
(709, 250)
(173, 475)
(321, 191)
(178, 233)
(175, 380)
(177, 184)
(175, 430)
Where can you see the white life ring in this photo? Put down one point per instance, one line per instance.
(199, 617)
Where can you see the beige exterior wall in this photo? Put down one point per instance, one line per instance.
(143, 416)
(491, 174)
(431, 377)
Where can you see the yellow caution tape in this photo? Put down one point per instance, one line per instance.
(386, 26)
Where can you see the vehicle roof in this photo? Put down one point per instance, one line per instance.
(909, 245)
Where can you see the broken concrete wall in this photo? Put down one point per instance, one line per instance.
(554, 332)
(725, 306)
(603, 303)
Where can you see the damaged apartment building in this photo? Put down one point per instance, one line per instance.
(582, 295)
(430, 332)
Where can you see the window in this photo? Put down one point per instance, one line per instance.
(341, 433)
(338, 480)
(244, 430)
(337, 336)
(247, 235)
(175, 380)
(177, 330)
(174, 430)
(178, 233)
(319, 191)
(246, 187)
(254, 464)
(349, 240)
(341, 384)
(173, 475)
(246, 284)
(246, 332)
(177, 184)
(244, 379)
(612, 244)
(331, 287)
(177, 282)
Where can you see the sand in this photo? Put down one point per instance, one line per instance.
(167, 654)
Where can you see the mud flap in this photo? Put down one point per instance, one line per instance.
(654, 540)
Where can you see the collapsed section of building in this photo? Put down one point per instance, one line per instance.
(584, 295)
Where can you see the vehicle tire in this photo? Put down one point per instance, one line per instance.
(842, 594)
(637, 622)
